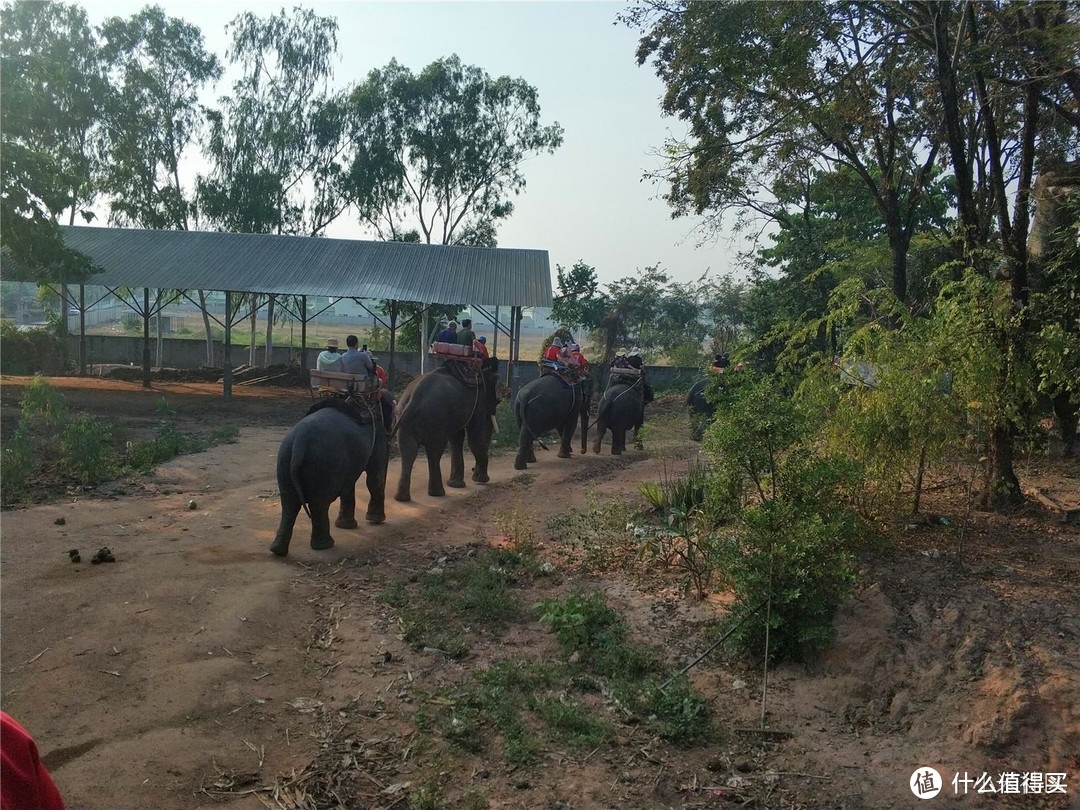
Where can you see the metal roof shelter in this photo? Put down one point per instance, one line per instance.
(299, 266)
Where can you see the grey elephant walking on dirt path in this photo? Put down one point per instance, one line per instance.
(550, 403)
(621, 408)
(443, 408)
(320, 460)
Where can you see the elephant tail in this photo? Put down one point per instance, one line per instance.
(295, 461)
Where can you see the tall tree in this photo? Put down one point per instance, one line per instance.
(158, 66)
(441, 151)
(773, 91)
(1006, 78)
(277, 140)
(52, 84)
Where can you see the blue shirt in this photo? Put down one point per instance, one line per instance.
(355, 361)
(447, 335)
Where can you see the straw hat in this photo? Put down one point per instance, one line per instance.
(621, 353)
(557, 342)
(331, 343)
(635, 352)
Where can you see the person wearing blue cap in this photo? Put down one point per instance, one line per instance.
(480, 347)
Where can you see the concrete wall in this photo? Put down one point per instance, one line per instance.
(180, 353)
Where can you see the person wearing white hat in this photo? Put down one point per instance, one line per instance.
(329, 359)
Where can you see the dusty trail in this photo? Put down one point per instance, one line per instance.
(137, 676)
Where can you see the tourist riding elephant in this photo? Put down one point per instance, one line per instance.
(444, 407)
(549, 403)
(621, 408)
(319, 461)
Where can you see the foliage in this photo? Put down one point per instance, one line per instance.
(580, 304)
(158, 65)
(88, 452)
(440, 152)
(584, 624)
(602, 534)
(278, 127)
(52, 87)
(31, 350)
(688, 543)
(477, 592)
(786, 550)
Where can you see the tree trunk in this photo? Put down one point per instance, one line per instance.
(1001, 489)
(269, 353)
(207, 330)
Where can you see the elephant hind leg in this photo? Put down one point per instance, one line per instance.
(435, 480)
(346, 518)
(408, 447)
(320, 526)
(290, 509)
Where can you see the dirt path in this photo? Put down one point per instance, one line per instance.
(139, 677)
(198, 666)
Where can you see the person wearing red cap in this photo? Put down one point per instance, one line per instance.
(24, 782)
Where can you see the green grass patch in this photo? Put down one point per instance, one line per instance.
(83, 449)
(445, 605)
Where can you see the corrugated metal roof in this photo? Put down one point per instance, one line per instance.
(301, 265)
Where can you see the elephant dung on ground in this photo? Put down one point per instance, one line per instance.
(320, 460)
(443, 407)
(621, 408)
(550, 403)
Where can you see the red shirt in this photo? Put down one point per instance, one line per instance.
(552, 352)
(25, 785)
(580, 360)
(380, 372)
(481, 349)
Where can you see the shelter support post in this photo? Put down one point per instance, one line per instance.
(146, 338)
(393, 340)
(303, 333)
(423, 337)
(227, 360)
(82, 330)
(495, 337)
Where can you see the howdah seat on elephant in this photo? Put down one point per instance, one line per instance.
(320, 460)
(447, 406)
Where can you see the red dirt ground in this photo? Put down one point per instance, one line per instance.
(200, 671)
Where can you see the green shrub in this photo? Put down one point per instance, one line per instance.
(787, 554)
(27, 351)
(42, 405)
(87, 450)
(17, 462)
(682, 714)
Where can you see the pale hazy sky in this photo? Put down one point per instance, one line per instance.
(587, 201)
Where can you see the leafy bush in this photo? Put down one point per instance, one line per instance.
(88, 452)
(787, 553)
(27, 351)
(17, 462)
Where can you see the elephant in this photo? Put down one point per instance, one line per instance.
(549, 403)
(320, 460)
(445, 406)
(621, 408)
(701, 409)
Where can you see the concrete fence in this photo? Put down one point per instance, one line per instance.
(181, 354)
